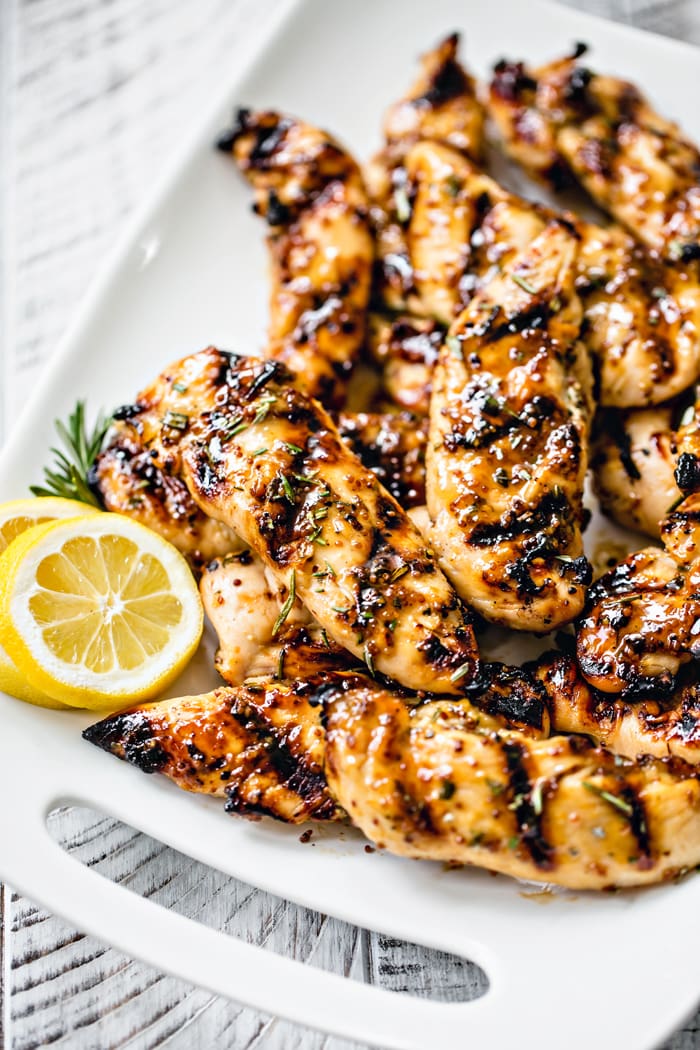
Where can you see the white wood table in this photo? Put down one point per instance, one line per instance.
(93, 95)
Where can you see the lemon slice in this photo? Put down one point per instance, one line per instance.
(18, 515)
(12, 682)
(97, 610)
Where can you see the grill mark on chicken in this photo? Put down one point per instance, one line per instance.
(528, 819)
(392, 446)
(511, 694)
(259, 747)
(129, 734)
(310, 191)
(564, 123)
(441, 107)
(507, 452)
(660, 725)
(285, 761)
(423, 783)
(639, 626)
(256, 452)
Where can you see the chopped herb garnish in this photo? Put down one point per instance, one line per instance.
(398, 573)
(536, 798)
(324, 638)
(522, 283)
(447, 790)
(236, 427)
(287, 607)
(659, 292)
(336, 608)
(292, 448)
(500, 476)
(555, 305)
(460, 672)
(180, 387)
(688, 416)
(176, 420)
(676, 503)
(288, 490)
(454, 345)
(331, 570)
(453, 185)
(266, 404)
(368, 660)
(320, 513)
(564, 557)
(513, 842)
(496, 787)
(316, 537)
(392, 625)
(306, 478)
(676, 250)
(613, 800)
(402, 203)
(280, 663)
(69, 476)
(259, 451)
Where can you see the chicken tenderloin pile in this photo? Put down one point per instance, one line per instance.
(404, 462)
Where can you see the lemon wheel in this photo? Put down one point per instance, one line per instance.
(18, 515)
(97, 610)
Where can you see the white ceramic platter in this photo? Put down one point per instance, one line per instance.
(607, 971)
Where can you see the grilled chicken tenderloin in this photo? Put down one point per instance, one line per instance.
(660, 725)
(562, 121)
(310, 191)
(507, 448)
(443, 781)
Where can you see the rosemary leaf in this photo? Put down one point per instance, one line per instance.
(522, 283)
(68, 475)
(287, 607)
(613, 800)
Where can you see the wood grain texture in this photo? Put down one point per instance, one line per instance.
(94, 94)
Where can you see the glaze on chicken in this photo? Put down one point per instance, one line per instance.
(440, 108)
(507, 447)
(259, 746)
(392, 446)
(563, 121)
(641, 625)
(405, 348)
(443, 781)
(644, 462)
(310, 191)
(661, 725)
(270, 463)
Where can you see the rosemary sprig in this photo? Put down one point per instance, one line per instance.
(68, 475)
